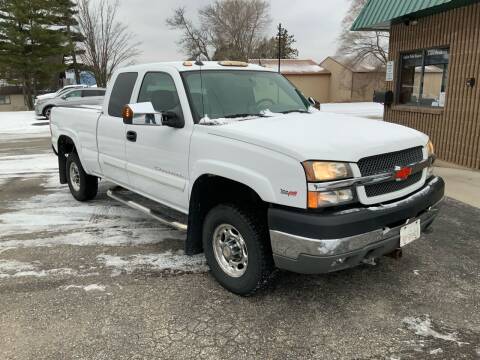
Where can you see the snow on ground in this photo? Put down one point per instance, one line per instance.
(22, 124)
(87, 288)
(14, 268)
(53, 218)
(22, 165)
(174, 261)
(423, 327)
(369, 110)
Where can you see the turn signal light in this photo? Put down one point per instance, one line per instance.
(318, 199)
(127, 114)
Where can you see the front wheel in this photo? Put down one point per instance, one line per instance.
(48, 112)
(83, 187)
(237, 249)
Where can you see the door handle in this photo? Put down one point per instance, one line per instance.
(131, 136)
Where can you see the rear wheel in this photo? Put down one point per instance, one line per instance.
(237, 249)
(83, 187)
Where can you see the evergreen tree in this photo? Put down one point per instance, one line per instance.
(66, 10)
(31, 45)
(268, 47)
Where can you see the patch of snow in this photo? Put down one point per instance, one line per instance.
(423, 327)
(9, 266)
(416, 272)
(158, 262)
(436, 351)
(20, 124)
(361, 109)
(102, 222)
(13, 268)
(224, 121)
(92, 287)
(22, 165)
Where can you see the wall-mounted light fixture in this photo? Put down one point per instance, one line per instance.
(471, 82)
(408, 21)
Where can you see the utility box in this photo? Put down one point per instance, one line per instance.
(383, 97)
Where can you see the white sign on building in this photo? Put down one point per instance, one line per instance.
(389, 73)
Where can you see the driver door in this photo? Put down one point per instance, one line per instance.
(157, 156)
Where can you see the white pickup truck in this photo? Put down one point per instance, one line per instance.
(236, 156)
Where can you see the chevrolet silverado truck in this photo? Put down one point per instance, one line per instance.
(234, 155)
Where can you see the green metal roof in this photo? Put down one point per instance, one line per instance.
(379, 14)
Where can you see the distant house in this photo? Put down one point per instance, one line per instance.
(11, 98)
(353, 82)
(310, 78)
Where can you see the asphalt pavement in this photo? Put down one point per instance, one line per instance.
(98, 281)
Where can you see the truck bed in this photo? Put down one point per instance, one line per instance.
(80, 124)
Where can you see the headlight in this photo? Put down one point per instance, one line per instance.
(326, 171)
(430, 149)
(321, 171)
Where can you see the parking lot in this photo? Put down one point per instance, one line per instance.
(98, 280)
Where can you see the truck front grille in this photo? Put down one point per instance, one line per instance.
(386, 162)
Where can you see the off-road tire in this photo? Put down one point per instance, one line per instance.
(86, 187)
(260, 267)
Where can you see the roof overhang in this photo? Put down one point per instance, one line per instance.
(379, 15)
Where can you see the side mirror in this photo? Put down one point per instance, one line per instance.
(171, 118)
(314, 103)
(144, 114)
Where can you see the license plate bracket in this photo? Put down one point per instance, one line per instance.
(410, 232)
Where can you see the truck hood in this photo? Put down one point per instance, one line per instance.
(322, 136)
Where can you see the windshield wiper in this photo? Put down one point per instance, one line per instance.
(243, 115)
(292, 111)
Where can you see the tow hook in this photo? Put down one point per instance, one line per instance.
(395, 254)
(370, 261)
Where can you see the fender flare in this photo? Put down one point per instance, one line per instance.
(254, 180)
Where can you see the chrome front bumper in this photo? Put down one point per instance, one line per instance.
(331, 241)
(292, 246)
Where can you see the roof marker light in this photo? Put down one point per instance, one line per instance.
(233, 63)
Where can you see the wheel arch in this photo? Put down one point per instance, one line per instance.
(48, 106)
(65, 146)
(210, 190)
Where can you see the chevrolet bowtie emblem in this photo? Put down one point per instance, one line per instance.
(402, 173)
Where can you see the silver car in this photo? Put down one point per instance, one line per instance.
(73, 97)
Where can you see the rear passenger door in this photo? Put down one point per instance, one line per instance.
(157, 156)
(111, 129)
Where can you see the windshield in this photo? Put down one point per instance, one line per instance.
(240, 93)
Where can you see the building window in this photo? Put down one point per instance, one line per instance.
(423, 77)
(4, 100)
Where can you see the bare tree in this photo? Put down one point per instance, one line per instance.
(108, 43)
(362, 46)
(228, 29)
(194, 41)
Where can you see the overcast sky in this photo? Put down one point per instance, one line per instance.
(315, 24)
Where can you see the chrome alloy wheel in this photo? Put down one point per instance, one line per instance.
(74, 176)
(230, 250)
